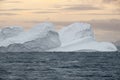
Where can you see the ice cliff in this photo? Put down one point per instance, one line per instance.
(43, 37)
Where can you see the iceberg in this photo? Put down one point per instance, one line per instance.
(80, 37)
(40, 38)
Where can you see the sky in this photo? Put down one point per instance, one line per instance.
(103, 15)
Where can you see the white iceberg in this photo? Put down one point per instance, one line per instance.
(80, 37)
(43, 37)
(40, 38)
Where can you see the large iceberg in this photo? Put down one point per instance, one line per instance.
(80, 37)
(43, 37)
(40, 38)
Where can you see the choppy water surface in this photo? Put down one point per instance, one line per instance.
(60, 66)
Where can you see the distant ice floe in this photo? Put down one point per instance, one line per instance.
(43, 37)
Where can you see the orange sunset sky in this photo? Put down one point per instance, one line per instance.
(103, 15)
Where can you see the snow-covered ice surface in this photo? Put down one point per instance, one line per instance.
(43, 37)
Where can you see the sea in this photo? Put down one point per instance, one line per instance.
(60, 66)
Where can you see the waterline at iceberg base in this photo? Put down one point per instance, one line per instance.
(44, 38)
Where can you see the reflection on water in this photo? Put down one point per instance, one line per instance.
(60, 66)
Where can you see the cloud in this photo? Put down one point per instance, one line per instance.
(13, 2)
(115, 2)
(1, 21)
(44, 12)
(7, 14)
(108, 25)
(110, 1)
(81, 7)
(2, 0)
(15, 9)
(18, 9)
(96, 14)
(7, 1)
(106, 30)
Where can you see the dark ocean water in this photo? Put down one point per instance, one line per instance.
(60, 66)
